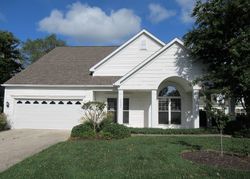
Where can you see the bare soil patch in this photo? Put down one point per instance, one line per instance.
(213, 158)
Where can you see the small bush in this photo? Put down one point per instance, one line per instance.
(83, 131)
(106, 121)
(3, 121)
(115, 131)
(173, 131)
(240, 123)
(242, 133)
(105, 135)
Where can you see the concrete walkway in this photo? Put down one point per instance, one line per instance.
(18, 144)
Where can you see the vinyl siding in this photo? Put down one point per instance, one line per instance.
(128, 58)
(139, 103)
(174, 61)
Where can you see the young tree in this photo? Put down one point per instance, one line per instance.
(32, 50)
(94, 112)
(221, 120)
(220, 39)
(218, 114)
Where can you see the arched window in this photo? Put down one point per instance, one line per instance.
(169, 106)
(169, 91)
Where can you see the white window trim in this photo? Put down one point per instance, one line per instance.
(170, 110)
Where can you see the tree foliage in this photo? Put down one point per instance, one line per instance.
(32, 50)
(10, 57)
(94, 112)
(221, 40)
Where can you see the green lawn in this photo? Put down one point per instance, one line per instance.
(135, 157)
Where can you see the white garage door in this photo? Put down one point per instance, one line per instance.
(46, 114)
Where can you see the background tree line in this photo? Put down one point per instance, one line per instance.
(16, 55)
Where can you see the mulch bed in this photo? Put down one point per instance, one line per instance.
(214, 159)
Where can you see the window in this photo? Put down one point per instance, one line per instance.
(163, 111)
(112, 109)
(19, 102)
(35, 102)
(27, 102)
(60, 102)
(44, 102)
(52, 102)
(78, 103)
(169, 106)
(125, 110)
(69, 102)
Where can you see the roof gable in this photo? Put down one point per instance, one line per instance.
(143, 32)
(149, 59)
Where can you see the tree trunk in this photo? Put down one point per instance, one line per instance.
(208, 108)
(232, 107)
(247, 104)
(221, 143)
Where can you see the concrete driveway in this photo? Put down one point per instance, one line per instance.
(18, 144)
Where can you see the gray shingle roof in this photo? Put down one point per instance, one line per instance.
(66, 66)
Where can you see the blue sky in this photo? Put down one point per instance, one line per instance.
(95, 22)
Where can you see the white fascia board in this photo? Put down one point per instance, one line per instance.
(92, 69)
(57, 86)
(47, 97)
(147, 60)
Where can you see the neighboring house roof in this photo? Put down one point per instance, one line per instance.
(146, 61)
(66, 66)
(92, 69)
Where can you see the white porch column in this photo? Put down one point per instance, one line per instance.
(120, 107)
(196, 118)
(154, 109)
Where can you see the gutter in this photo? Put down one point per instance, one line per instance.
(57, 86)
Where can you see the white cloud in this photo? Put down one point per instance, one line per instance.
(91, 24)
(158, 13)
(186, 10)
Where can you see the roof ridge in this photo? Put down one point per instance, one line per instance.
(89, 46)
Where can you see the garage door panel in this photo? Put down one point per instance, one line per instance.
(47, 114)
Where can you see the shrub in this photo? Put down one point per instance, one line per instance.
(84, 130)
(240, 123)
(3, 121)
(173, 131)
(115, 131)
(106, 121)
(242, 133)
(94, 112)
(105, 135)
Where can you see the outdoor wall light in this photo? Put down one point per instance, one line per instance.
(7, 104)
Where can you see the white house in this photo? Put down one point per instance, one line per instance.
(145, 83)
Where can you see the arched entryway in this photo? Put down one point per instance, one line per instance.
(173, 104)
(169, 100)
